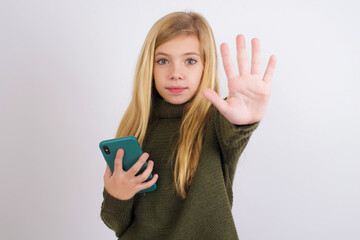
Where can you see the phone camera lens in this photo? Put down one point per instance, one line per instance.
(106, 149)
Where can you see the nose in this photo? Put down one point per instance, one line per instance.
(176, 77)
(176, 72)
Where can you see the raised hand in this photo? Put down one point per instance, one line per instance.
(123, 185)
(248, 92)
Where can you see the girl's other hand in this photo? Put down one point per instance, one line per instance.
(123, 185)
(248, 92)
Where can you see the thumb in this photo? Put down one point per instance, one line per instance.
(118, 161)
(215, 99)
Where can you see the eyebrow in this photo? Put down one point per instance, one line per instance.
(188, 53)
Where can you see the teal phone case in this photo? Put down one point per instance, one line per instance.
(132, 153)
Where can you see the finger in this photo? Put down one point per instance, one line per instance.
(241, 55)
(145, 175)
(255, 59)
(269, 72)
(107, 174)
(227, 63)
(118, 161)
(137, 166)
(148, 184)
(215, 99)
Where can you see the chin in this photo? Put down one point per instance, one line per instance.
(176, 101)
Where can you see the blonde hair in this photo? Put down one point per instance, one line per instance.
(136, 118)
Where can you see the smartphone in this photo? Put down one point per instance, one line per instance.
(132, 153)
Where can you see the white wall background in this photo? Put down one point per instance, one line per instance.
(66, 72)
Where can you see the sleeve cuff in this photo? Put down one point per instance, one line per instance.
(116, 204)
(226, 125)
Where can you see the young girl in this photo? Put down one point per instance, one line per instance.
(193, 136)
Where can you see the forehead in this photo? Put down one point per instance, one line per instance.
(180, 45)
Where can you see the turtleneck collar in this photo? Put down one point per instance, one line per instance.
(163, 109)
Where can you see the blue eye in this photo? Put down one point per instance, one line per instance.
(191, 61)
(162, 61)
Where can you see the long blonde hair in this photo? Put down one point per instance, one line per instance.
(137, 115)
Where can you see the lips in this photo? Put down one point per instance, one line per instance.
(176, 89)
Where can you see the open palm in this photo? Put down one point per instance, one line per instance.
(248, 92)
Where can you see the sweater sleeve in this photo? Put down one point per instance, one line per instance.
(116, 214)
(232, 139)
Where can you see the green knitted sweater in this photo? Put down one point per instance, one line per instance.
(206, 212)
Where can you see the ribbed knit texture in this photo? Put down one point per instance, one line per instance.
(206, 212)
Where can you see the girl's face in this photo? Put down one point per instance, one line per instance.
(178, 69)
